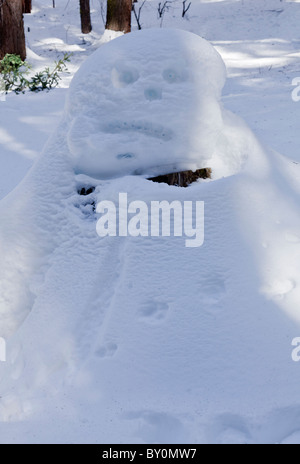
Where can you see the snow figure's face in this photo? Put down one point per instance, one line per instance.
(147, 104)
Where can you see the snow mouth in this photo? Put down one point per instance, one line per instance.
(142, 127)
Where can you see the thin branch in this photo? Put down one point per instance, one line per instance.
(162, 8)
(185, 8)
(138, 15)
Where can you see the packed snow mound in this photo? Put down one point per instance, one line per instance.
(147, 103)
(140, 339)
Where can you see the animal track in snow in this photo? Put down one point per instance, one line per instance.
(107, 350)
(154, 311)
(279, 288)
(212, 289)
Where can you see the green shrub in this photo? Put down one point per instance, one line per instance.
(13, 71)
(14, 75)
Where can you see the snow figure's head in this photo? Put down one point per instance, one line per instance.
(146, 103)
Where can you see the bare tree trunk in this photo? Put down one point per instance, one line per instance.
(27, 6)
(12, 36)
(85, 14)
(119, 15)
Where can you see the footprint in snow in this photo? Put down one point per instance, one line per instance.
(107, 350)
(279, 288)
(154, 311)
(212, 289)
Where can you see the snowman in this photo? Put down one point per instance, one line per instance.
(116, 328)
(146, 104)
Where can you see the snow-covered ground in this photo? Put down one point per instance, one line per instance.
(139, 340)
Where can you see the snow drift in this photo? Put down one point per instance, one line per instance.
(141, 340)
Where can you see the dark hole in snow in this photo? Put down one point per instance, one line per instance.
(125, 156)
(183, 178)
(85, 191)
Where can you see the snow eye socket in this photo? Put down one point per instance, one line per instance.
(175, 74)
(171, 76)
(127, 77)
(123, 77)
